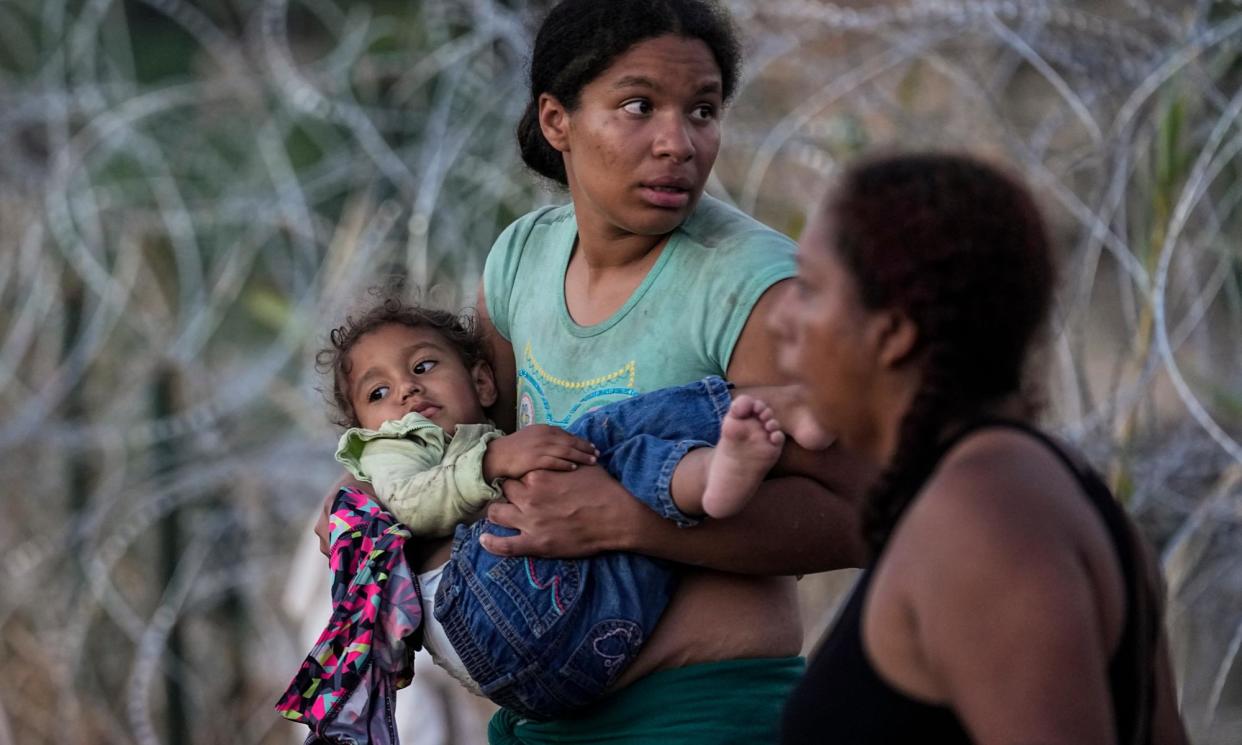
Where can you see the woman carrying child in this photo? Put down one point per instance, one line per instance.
(643, 283)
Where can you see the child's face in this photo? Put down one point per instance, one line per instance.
(397, 369)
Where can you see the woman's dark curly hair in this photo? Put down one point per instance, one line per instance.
(579, 39)
(962, 250)
(460, 331)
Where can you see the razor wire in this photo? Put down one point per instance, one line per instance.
(194, 193)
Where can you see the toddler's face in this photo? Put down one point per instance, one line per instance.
(397, 369)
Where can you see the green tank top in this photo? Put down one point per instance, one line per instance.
(681, 324)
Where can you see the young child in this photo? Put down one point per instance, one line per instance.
(540, 636)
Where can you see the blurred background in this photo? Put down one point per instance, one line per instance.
(193, 193)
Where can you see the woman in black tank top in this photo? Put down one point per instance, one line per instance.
(1008, 598)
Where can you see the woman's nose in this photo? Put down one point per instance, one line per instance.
(673, 139)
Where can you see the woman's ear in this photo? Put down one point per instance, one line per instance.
(554, 122)
(896, 338)
(484, 383)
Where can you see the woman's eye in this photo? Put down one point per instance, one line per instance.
(424, 367)
(638, 106)
(704, 112)
(378, 393)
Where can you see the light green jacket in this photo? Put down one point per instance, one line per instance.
(428, 480)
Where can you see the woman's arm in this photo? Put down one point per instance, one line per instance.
(1014, 620)
(504, 368)
(1010, 629)
(792, 526)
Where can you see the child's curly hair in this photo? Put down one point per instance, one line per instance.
(460, 330)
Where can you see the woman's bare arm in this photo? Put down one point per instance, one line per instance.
(1015, 619)
(790, 527)
(504, 368)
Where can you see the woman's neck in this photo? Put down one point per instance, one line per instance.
(1011, 407)
(607, 249)
(890, 416)
(600, 279)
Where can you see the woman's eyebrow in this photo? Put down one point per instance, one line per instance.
(635, 81)
(638, 81)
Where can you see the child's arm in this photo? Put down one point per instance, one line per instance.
(429, 483)
(538, 446)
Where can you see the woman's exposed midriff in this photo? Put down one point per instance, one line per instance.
(718, 616)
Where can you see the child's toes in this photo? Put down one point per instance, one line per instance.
(743, 407)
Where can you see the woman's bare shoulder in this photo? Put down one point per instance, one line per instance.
(999, 496)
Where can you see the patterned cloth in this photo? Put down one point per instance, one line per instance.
(346, 687)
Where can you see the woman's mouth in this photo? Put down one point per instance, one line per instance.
(665, 196)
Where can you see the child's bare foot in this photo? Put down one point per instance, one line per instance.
(750, 444)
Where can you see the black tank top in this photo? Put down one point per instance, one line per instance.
(843, 701)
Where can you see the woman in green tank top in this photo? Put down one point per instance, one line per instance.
(639, 283)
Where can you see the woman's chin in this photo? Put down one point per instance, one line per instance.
(654, 220)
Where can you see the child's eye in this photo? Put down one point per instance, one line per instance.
(639, 106)
(424, 367)
(377, 394)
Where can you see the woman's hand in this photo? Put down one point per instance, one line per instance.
(566, 514)
(323, 530)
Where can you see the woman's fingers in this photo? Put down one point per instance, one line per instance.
(562, 439)
(586, 447)
(505, 514)
(576, 455)
(513, 545)
(553, 463)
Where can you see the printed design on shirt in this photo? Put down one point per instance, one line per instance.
(537, 388)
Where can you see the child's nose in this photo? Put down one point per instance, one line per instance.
(409, 388)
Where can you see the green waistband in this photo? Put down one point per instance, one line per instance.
(733, 701)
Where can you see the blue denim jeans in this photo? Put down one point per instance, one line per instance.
(546, 636)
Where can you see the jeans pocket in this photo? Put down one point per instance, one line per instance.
(541, 591)
(607, 649)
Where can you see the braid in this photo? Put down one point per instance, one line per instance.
(918, 449)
